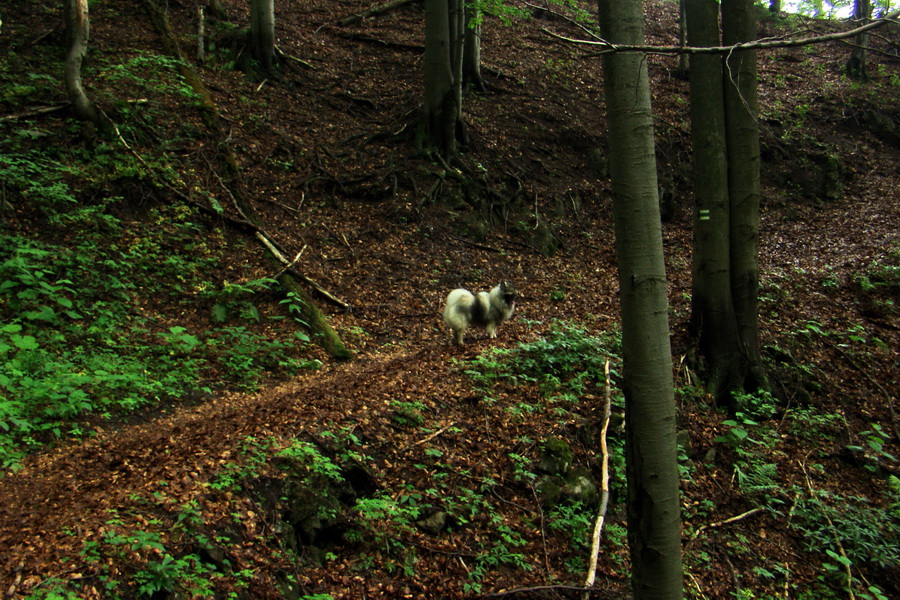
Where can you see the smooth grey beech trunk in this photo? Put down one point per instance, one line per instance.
(739, 25)
(654, 523)
(78, 28)
(713, 321)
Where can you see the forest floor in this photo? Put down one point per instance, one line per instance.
(326, 161)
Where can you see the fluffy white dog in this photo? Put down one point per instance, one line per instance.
(485, 309)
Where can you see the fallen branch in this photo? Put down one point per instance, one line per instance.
(374, 11)
(539, 588)
(34, 112)
(281, 53)
(754, 45)
(428, 438)
(289, 268)
(386, 43)
(604, 488)
(733, 519)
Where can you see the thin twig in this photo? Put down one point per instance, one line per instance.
(539, 588)
(432, 436)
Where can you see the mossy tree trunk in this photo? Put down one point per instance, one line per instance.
(653, 506)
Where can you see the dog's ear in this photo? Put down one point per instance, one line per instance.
(509, 290)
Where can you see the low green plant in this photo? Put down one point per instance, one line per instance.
(156, 568)
(407, 414)
(150, 72)
(575, 520)
(872, 448)
(565, 364)
(503, 552)
(383, 521)
(235, 300)
(852, 532)
(68, 350)
(310, 456)
(253, 456)
(808, 423)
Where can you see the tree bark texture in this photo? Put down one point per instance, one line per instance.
(742, 140)
(472, 79)
(713, 322)
(262, 33)
(441, 119)
(856, 64)
(654, 527)
(78, 27)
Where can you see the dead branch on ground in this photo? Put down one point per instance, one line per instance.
(376, 10)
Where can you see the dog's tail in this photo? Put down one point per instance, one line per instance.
(458, 312)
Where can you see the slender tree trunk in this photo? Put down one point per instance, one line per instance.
(713, 322)
(440, 120)
(856, 65)
(262, 33)
(457, 22)
(78, 27)
(472, 79)
(654, 528)
(683, 59)
(739, 25)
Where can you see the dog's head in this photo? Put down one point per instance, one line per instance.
(508, 292)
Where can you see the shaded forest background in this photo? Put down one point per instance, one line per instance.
(168, 430)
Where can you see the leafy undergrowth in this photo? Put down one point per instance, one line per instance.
(167, 430)
(84, 330)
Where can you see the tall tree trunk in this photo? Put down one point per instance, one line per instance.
(856, 65)
(262, 33)
(742, 139)
(472, 79)
(78, 28)
(713, 322)
(654, 527)
(441, 122)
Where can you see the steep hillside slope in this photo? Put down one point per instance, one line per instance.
(415, 469)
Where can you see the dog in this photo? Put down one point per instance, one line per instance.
(485, 309)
